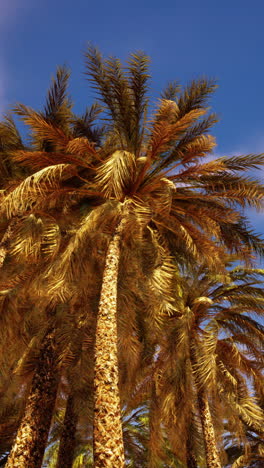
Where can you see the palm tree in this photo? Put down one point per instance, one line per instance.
(33, 432)
(210, 355)
(146, 182)
(28, 242)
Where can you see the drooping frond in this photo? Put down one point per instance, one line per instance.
(80, 154)
(162, 280)
(115, 174)
(205, 363)
(240, 237)
(35, 237)
(242, 190)
(42, 129)
(32, 190)
(164, 132)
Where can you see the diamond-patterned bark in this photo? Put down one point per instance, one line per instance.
(29, 446)
(212, 457)
(108, 437)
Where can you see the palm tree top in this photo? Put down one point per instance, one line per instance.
(154, 165)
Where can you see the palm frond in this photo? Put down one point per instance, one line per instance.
(171, 91)
(138, 75)
(196, 95)
(115, 174)
(30, 192)
(41, 128)
(58, 106)
(243, 162)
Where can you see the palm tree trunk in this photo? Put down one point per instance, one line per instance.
(29, 446)
(67, 440)
(212, 456)
(4, 244)
(108, 436)
(191, 461)
(156, 442)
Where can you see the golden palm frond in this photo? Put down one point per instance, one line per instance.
(196, 94)
(115, 174)
(164, 132)
(30, 192)
(41, 128)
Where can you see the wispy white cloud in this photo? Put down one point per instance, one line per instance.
(11, 11)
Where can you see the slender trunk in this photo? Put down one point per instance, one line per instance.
(67, 440)
(211, 452)
(4, 244)
(156, 442)
(191, 461)
(32, 435)
(108, 436)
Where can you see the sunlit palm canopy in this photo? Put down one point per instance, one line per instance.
(153, 168)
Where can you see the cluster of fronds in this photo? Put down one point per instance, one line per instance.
(189, 324)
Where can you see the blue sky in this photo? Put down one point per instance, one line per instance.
(224, 40)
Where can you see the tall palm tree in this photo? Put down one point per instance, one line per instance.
(28, 243)
(146, 182)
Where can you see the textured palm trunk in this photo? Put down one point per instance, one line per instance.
(211, 452)
(4, 244)
(191, 461)
(156, 442)
(32, 435)
(108, 436)
(67, 440)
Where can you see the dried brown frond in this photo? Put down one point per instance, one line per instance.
(41, 129)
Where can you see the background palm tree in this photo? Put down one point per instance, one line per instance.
(210, 356)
